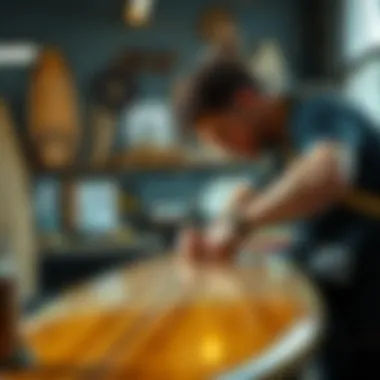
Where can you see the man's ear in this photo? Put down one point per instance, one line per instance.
(245, 97)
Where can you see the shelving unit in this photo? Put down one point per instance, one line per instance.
(88, 173)
(75, 259)
(103, 250)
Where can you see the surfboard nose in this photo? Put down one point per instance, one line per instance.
(53, 110)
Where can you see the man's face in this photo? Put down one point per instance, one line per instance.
(237, 130)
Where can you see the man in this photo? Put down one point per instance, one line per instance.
(332, 184)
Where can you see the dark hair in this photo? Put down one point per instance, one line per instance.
(211, 88)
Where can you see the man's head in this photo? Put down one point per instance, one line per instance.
(225, 106)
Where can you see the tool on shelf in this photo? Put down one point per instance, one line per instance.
(112, 91)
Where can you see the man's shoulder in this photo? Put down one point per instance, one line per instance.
(324, 107)
(323, 101)
(324, 115)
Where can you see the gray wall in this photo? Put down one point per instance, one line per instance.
(91, 32)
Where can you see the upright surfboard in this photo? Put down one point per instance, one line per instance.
(53, 111)
(16, 209)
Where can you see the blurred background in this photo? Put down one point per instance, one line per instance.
(95, 171)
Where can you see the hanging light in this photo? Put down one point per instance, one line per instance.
(138, 12)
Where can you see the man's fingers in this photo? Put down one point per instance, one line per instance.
(217, 247)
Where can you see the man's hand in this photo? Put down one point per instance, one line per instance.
(190, 245)
(220, 242)
(223, 239)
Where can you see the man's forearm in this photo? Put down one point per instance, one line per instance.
(311, 184)
(240, 199)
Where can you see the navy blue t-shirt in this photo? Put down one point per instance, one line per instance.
(353, 229)
(328, 118)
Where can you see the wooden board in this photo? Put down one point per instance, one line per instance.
(161, 320)
(53, 110)
(16, 209)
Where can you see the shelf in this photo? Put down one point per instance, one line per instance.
(91, 251)
(100, 249)
(79, 173)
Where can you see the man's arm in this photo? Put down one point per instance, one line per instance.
(311, 184)
(328, 138)
(240, 198)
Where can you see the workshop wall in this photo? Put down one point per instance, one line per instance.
(92, 32)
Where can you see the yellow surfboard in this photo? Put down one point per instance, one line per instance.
(53, 115)
(163, 320)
